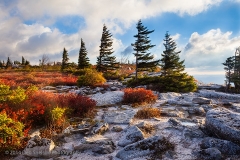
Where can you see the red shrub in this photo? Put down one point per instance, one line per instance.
(81, 106)
(138, 96)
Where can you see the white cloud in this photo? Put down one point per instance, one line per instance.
(18, 39)
(176, 37)
(209, 49)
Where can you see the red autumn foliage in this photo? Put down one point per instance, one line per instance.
(138, 96)
(35, 110)
(40, 79)
(80, 105)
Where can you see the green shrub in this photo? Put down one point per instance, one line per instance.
(57, 113)
(173, 83)
(10, 133)
(4, 92)
(15, 96)
(111, 75)
(80, 72)
(91, 78)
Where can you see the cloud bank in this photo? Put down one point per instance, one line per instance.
(27, 28)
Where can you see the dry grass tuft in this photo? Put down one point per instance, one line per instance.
(147, 129)
(146, 113)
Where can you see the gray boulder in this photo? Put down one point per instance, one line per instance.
(197, 111)
(224, 146)
(105, 148)
(224, 123)
(116, 129)
(156, 144)
(201, 100)
(174, 122)
(210, 154)
(85, 146)
(236, 107)
(97, 143)
(193, 132)
(130, 135)
(119, 117)
(99, 128)
(40, 148)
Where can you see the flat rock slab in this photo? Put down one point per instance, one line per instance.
(224, 146)
(96, 143)
(119, 117)
(144, 147)
(210, 153)
(201, 100)
(130, 135)
(224, 123)
(169, 95)
(108, 98)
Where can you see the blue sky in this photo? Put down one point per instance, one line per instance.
(206, 31)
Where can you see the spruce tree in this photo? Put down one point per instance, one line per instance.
(27, 62)
(173, 79)
(1, 64)
(23, 61)
(229, 68)
(9, 63)
(83, 60)
(170, 62)
(64, 59)
(144, 59)
(106, 62)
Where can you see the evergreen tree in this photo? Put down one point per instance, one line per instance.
(27, 63)
(144, 59)
(83, 60)
(64, 60)
(229, 66)
(170, 62)
(23, 61)
(16, 62)
(106, 62)
(236, 76)
(173, 79)
(9, 63)
(1, 64)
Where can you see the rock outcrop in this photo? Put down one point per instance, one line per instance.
(201, 100)
(145, 147)
(224, 123)
(224, 146)
(40, 148)
(130, 135)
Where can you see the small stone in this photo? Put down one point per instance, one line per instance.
(130, 135)
(117, 129)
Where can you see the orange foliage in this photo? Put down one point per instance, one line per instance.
(40, 79)
(138, 96)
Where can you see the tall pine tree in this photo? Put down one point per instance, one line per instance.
(170, 62)
(1, 64)
(9, 63)
(105, 60)
(83, 60)
(229, 69)
(64, 59)
(144, 59)
(23, 61)
(173, 79)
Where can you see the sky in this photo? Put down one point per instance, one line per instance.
(206, 31)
